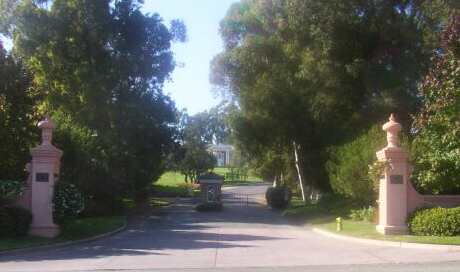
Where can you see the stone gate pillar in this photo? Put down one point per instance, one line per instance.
(393, 183)
(44, 170)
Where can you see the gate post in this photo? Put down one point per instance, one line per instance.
(393, 184)
(45, 172)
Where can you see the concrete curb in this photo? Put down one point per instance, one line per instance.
(63, 244)
(447, 248)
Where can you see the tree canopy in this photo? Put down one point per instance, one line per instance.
(17, 116)
(318, 73)
(437, 143)
(100, 67)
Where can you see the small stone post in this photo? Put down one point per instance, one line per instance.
(393, 183)
(44, 169)
(211, 187)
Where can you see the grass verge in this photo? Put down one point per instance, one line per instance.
(366, 230)
(323, 214)
(75, 229)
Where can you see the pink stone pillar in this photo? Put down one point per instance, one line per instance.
(393, 184)
(44, 171)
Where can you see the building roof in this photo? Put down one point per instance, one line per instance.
(220, 147)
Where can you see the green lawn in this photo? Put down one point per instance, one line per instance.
(73, 230)
(172, 184)
(224, 170)
(323, 216)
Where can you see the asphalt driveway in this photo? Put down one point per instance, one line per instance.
(246, 236)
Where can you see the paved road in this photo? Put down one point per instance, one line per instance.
(246, 236)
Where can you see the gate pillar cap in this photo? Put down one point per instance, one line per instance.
(392, 128)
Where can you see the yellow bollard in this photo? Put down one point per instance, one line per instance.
(338, 220)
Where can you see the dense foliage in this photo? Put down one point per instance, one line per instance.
(435, 221)
(363, 214)
(313, 74)
(348, 166)
(192, 157)
(68, 201)
(437, 143)
(100, 67)
(196, 161)
(10, 190)
(17, 101)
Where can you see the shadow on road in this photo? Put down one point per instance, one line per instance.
(178, 227)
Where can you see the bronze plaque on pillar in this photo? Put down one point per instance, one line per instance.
(42, 177)
(396, 179)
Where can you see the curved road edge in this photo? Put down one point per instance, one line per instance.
(447, 248)
(67, 243)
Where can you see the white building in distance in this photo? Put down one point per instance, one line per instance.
(223, 153)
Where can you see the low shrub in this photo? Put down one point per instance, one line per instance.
(22, 220)
(435, 222)
(209, 207)
(336, 204)
(363, 214)
(68, 201)
(6, 223)
(10, 190)
(14, 221)
(278, 197)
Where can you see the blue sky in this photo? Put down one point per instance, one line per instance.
(190, 86)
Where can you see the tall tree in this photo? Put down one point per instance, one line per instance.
(17, 118)
(102, 65)
(437, 143)
(316, 73)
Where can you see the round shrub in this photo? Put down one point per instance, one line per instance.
(68, 201)
(278, 197)
(14, 221)
(435, 222)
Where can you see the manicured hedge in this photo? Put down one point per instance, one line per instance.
(435, 222)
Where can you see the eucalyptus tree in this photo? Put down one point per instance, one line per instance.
(309, 74)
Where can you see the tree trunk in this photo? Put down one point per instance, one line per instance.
(299, 171)
(275, 181)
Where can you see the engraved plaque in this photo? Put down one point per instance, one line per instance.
(396, 179)
(42, 177)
